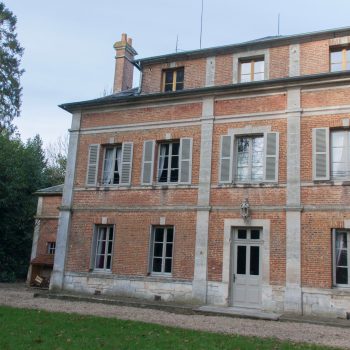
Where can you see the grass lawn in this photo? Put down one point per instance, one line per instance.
(32, 329)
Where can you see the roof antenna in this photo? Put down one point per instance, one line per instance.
(177, 41)
(200, 38)
(278, 25)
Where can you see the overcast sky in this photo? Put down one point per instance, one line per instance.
(69, 53)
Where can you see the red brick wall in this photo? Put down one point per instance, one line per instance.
(223, 70)
(50, 205)
(314, 57)
(131, 241)
(141, 115)
(325, 98)
(279, 62)
(248, 105)
(47, 233)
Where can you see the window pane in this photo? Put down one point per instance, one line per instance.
(157, 265)
(169, 250)
(174, 175)
(167, 267)
(168, 87)
(174, 162)
(170, 233)
(241, 259)
(110, 244)
(338, 138)
(336, 67)
(242, 234)
(169, 76)
(159, 235)
(179, 86)
(99, 261)
(180, 75)
(336, 57)
(342, 258)
(242, 174)
(259, 76)
(243, 144)
(342, 275)
(246, 78)
(175, 148)
(109, 262)
(257, 173)
(259, 67)
(158, 250)
(254, 260)
(255, 234)
(243, 159)
(246, 68)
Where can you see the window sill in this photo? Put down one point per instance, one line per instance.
(333, 182)
(250, 184)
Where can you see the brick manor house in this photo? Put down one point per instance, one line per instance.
(223, 179)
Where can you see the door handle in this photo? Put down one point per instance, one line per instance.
(234, 278)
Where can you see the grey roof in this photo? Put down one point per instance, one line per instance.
(58, 189)
(260, 42)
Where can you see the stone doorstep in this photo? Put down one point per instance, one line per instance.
(190, 309)
(239, 312)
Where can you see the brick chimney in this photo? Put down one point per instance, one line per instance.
(124, 69)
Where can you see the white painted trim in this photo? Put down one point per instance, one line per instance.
(229, 224)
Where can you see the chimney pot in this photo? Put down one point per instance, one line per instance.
(130, 41)
(124, 37)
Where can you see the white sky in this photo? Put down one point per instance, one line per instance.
(69, 53)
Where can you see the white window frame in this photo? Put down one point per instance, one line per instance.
(170, 143)
(251, 61)
(347, 155)
(96, 238)
(114, 147)
(334, 232)
(51, 248)
(163, 257)
(235, 158)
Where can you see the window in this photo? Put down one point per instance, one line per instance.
(103, 248)
(340, 154)
(116, 168)
(341, 257)
(173, 79)
(168, 164)
(112, 165)
(252, 70)
(250, 156)
(340, 59)
(162, 250)
(51, 247)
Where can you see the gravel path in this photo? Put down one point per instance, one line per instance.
(18, 296)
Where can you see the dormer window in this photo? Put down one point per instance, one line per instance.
(340, 59)
(252, 70)
(173, 79)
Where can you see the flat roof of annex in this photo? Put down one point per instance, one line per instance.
(266, 42)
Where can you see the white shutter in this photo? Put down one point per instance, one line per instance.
(320, 153)
(225, 170)
(147, 163)
(185, 161)
(127, 150)
(91, 176)
(271, 156)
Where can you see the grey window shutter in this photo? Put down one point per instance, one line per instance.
(93, 249)
(91, 176)
(271, 156)
(320, 153)
(147, 163)
(226, 151)
(185, 165)
(127, 151)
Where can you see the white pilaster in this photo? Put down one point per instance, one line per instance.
(57, 276)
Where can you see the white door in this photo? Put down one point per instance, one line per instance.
(246, 259)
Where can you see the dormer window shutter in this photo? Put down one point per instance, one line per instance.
(93, 157)
(127, 153)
